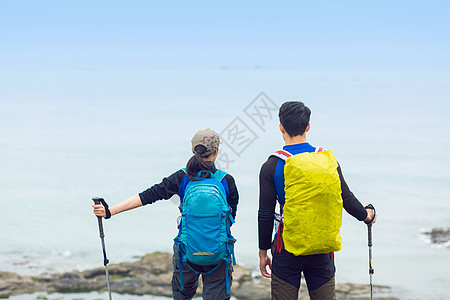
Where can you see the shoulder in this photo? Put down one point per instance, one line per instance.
(230, 186)
(270, 164)
(228, 176)
(179, 174)
(268, 168)
(177, 177)
(230, 179)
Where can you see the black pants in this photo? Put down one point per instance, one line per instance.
(287, 269)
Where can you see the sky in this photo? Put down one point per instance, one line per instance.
(85, 51)
(181, 34)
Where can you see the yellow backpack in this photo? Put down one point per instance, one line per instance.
(312, 212)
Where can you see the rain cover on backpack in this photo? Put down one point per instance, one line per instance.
(312, 210)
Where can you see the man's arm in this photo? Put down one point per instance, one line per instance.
(267, 203)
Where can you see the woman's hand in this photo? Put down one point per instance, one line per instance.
(99, 210)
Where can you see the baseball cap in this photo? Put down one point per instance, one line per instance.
(208, 138)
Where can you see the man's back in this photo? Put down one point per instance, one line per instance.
(287, 267)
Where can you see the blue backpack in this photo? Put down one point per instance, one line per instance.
(204, 236)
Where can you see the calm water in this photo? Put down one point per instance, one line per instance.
(98, 138)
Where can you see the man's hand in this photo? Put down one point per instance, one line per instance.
(371, 215)
(264, 261)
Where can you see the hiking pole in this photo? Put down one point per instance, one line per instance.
(102, 237)
(369, 234)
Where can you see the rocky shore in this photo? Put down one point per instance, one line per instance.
(152, 275)
(439, 236)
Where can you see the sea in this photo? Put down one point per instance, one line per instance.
(68, 137)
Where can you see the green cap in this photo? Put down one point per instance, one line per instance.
(208, 138)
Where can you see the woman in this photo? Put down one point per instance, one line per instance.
(199, 169)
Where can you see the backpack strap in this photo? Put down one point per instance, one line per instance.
(183, 184)
(319, 149)
(219, 175)
(227, 278)
(181, 272)
(282, 154)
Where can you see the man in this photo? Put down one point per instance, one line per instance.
(311, 198)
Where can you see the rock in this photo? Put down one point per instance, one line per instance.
(253, 290)
(158, 262)
(439, 235)
(11, 283)
(240, 276)
(152, 275)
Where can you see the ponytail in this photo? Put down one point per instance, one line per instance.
(197, 164)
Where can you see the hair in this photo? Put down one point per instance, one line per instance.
(294, 116)
(197, 164)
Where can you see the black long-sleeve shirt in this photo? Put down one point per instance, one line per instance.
(170, 185)
(268, 197)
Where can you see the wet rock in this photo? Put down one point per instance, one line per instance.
(151, 275)
(439, 235)
(11, 283)
(157, 263)
(253, 290)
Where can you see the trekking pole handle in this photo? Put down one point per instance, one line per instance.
(370, 206)
(98, 201)
(369, 234)
(369, 226)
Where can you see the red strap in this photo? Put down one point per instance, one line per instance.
(284, 153)
(279, 237)
(320, 149)
(280, 225)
